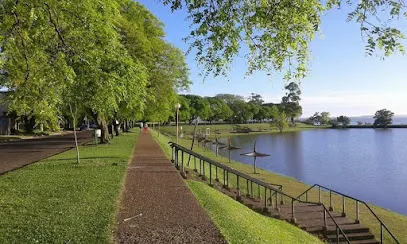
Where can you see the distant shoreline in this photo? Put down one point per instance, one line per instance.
(371, 127)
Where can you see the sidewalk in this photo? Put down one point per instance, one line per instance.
(157, 206)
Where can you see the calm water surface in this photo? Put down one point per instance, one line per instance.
(369, 164)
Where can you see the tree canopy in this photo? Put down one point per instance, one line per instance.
(383, 118)
(109, 57)
(278, 32)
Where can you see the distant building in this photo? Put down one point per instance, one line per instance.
(4, 120)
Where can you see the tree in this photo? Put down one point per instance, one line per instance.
(184, 111)
(279, 119)
(343, 120)
(241, 111)
(324, 119)
(256, 99)
(278, 33)
(199, 107)
(219, 110)
(290, 102)
(383, 118)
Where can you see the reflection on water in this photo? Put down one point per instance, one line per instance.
(370, 164)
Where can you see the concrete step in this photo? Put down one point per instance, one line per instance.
(355, 228)
(371, 241)
(352, 237)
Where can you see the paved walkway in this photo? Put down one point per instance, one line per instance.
(157, 206)
(17, 154)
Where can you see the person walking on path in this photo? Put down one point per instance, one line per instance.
(141, 126)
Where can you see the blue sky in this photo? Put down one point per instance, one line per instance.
(343, 80)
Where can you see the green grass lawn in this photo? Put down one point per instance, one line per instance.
(395, 222)
(239, 224)
(57, 201)
(225, 129)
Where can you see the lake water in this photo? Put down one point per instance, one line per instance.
(369, 164)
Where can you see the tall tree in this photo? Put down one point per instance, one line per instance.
(278, 32)
(199, 107)
(219, 110)
(290, 102)
(383, 118)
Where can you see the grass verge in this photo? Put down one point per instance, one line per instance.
(239, 224)
(397, 223)
(57, 201)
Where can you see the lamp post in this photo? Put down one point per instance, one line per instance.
(177, 106)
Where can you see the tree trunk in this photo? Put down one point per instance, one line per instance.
(76, 144)
(105, 131)
(74, 118)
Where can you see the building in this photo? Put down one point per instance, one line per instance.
(4, 120)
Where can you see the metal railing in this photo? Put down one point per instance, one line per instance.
(274, 190)
(357, 213)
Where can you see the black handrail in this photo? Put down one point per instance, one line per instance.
(357, 207)
(266, 186)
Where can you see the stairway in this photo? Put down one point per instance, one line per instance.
(309, 217)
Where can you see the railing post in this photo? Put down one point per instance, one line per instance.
(276, 199)
(343, 207)
(224, 178)
(281, 196)
(293, 220)
(306, 196)
(247, 188)
(271, 199)
(227, 179)
(337, 234)
(238, 185)
(381, 233)
(330, 201)
(195, 164)
(357, 212)
(176, 158)
(172, 154)
(258, 191)
(325, 224)
(216, 173)
(210, 174)
(251, 189)
(319, 194)
(182, 160)
(265, 201)
(203, 170)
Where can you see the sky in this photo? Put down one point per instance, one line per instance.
(343, 79)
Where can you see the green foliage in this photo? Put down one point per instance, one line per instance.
(199, 107)
(219, 110)
(343, 120)
(108, 57)
(383, 118)
(290, 102)
(324, 118)
(277, 33)
(279, 119)
(185, 110)
(241, 111)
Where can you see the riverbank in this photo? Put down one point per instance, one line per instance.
(223, 130)
(395, 222)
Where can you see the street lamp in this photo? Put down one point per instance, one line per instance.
(177, 106)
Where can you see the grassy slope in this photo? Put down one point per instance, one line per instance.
(57, 201)
(239, 224)
(225, 129)
(395, 222)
